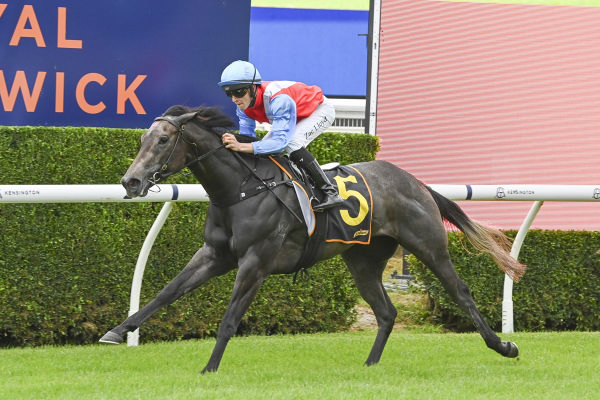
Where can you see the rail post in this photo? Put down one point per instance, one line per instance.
(508, 325)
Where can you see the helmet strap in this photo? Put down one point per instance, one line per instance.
(252, 95)
(253, 90)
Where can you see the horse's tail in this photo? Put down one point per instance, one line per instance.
(483, 238)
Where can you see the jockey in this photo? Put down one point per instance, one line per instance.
(297, 113)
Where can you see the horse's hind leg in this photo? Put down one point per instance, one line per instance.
(434, 254)
(366, 263)
(204, 265)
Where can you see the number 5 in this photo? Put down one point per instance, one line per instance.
(345, 193)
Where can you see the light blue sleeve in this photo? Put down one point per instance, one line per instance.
(283, 109)
(247, 124)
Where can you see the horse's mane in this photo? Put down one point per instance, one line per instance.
(210, 117)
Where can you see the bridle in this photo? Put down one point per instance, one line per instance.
(160, 175)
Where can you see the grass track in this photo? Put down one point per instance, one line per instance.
(323, 366)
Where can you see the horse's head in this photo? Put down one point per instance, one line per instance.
(166, 148)
(159, 155)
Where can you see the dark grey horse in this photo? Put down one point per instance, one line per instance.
(260, 237)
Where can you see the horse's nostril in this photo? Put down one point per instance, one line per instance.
(131, 183)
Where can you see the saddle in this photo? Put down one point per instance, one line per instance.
(349, 223)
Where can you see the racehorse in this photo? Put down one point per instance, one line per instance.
(261, 235)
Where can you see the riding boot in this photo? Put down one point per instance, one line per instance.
(305, 159)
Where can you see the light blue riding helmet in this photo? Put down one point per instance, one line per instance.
(240, 73)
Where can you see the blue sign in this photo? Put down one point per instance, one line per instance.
(327, 48)
(115, 63)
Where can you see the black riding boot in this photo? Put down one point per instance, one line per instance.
(304, 158)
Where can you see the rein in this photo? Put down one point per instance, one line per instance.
(267, 186)
(157, 176)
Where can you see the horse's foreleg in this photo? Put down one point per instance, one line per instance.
(247, 283)
(203, 266)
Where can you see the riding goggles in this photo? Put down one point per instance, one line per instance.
(238, 93)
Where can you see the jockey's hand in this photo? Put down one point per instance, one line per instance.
(231, 143)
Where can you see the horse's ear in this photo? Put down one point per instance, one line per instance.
(182, 119)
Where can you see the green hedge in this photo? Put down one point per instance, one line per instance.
(66, 269)
(559, 291)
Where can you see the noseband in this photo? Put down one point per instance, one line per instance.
(159, 175)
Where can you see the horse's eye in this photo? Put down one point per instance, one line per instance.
(163, 139)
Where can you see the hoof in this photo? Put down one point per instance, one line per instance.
(111, 338)
(209, 370)
(513, 350)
